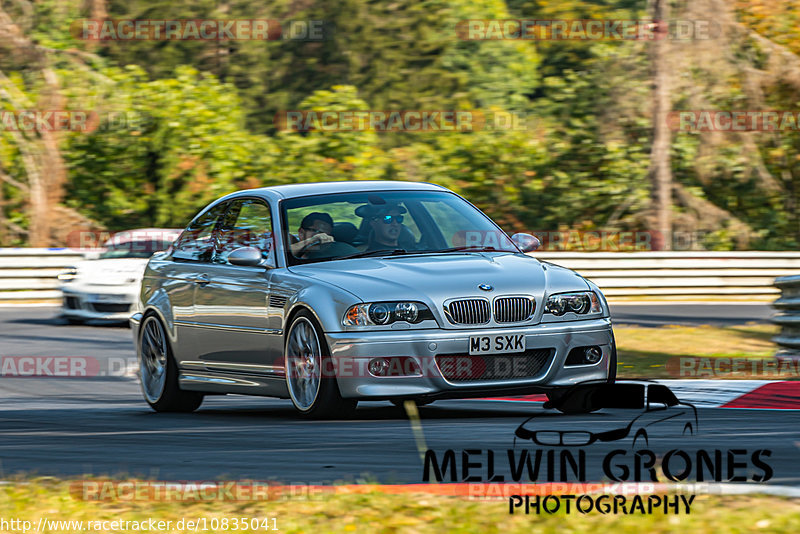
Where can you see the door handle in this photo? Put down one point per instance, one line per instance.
(201, 279)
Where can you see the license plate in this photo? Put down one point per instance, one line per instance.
(496, 344)
(109, 299)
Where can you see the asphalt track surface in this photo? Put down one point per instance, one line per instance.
(101, 426)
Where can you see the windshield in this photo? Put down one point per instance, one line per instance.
(143, 248)
(342, 225)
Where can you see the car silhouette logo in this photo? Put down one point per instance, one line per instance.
(652, 409)
(485, 287)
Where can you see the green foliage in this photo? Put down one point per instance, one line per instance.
(183, 122)
(178, 144)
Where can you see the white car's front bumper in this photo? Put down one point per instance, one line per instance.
(100, 302)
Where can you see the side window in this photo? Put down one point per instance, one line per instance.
(246, 224)
(196, 242)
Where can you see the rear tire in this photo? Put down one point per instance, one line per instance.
(158, 372)
(310, 379)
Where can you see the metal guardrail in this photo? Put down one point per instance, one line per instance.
(681, 276)
(788, 316)
(29, 275)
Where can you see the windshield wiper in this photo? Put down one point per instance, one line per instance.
(367, 253)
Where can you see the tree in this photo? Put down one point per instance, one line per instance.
(660, 171)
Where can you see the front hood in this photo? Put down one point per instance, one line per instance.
(434, 278)
(116, 271)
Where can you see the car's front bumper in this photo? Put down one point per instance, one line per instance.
(352, 351)
(116, 303)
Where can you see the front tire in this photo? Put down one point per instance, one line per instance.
(310, 378)
(158, 372)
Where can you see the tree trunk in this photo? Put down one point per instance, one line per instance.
(39, 151)
(660, 171)
(2, 217)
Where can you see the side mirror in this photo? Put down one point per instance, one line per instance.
(526, 242)
(246, 257)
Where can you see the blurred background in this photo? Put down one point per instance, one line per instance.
(180, 123)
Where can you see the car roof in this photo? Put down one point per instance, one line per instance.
(321, 188)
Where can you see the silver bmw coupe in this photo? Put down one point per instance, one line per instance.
(331, 293)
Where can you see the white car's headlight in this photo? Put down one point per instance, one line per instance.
(68, 275)
(580, 302)
(383, 313)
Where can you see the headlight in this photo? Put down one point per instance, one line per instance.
(580, 302)
(383, 313)
(68, 275)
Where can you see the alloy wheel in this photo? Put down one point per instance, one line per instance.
(303, 364)
(153, 359)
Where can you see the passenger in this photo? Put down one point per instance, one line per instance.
(385, 223)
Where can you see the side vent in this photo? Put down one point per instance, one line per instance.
(277, 301)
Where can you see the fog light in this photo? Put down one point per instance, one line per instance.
(592, 354)
(378, 366)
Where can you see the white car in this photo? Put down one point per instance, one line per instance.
(108, 287)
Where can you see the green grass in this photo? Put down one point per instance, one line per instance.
(378, 512)
(643, 352)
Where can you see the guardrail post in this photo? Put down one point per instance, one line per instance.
(788, 316)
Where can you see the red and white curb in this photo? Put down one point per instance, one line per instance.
(754, 394)
(763, 394)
